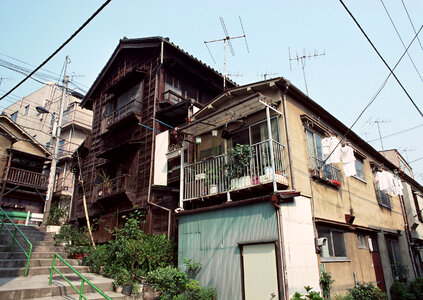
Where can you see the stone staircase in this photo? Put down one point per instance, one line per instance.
(13, 284)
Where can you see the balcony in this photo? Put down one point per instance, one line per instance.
(112, 187)
(130, 109)
(26, 178)
(223, 174)
(77, 118)
(325, 173)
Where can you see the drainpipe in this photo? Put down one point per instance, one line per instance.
(408, 233)
(288, 139)
(283, 256)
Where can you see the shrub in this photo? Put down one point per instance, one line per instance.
(401, 291)
(367, 291)
(169, 281)
(76, 239)
(312, 295)
(326, 282)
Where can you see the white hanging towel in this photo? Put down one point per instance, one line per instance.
(386, 182)
(348, 160)
(328, 145)
(398, 187)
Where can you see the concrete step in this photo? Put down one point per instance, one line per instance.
(90, 296)
(5, 237)
(21, 255)
(11, 272)
(38, 287)
(23, 242)
(36, 248)
(34, 262)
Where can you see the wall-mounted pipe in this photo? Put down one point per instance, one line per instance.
(288, 139)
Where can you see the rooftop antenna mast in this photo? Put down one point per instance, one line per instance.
(302, 59)
(227, 40)
(378, 122)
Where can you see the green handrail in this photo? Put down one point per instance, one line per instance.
(17, 230)
(83, 279)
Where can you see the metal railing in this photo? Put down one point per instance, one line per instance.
(222, 173)
(324, 171)
(83, 279)
(120, 113)
(112, 186)
(27, 177)
(15, 240)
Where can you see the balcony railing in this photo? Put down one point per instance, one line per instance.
(112, 186)
(77, 117)
(325, 172)
(217, 175)
(25, 177)
(121, 113)
(172, 97)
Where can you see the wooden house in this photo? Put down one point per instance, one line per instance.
(148, 87)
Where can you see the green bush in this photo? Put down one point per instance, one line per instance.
(326, 282)
(312, 295)
(133, 251)
(173, 284)
(76, 239)
(401, 291)
(342, 297)
(367, 291)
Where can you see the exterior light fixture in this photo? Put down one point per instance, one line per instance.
(42, 110)
(214, 132)
(198, 140)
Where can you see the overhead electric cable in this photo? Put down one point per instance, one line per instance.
(402, 42)
(377, 93)
(412, 25)
(60, 48)
(383, 60)
(415, 160)
(392, 134)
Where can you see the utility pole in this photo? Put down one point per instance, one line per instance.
(56, 136)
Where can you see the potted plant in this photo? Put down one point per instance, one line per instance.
(106, 185)
(239, 166)
(212, 180)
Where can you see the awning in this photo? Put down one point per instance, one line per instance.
(240, 109)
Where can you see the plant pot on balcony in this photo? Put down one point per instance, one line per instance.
(212, 189)
(240, 183)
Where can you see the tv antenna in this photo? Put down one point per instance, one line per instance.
(266, 75)
(227, 40)
(302, 59)
(5, 78)
(378, 122)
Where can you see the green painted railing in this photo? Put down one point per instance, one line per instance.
(83, 279)
(15, 230)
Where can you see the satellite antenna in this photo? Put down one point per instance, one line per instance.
(227, 40)
(302, 59)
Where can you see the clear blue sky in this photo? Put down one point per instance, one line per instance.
(343, 81)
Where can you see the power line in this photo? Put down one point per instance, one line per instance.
(402, 42)
(399, 132)
(60, 48)
(412, 25)
(380, 56)
(415, 160)
(377, 93)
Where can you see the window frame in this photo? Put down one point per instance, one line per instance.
(14, 116)
(26, 110)
(360, 239)
(383, 199)
(332, 245)
(359, 160)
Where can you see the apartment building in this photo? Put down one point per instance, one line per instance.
(264, 209)
(148, 87)
(76, 124)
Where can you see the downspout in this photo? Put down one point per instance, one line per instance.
(288, 139)
(408, 233)
(282, 250)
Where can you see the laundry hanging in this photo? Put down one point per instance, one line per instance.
(348, 160)
(331, 145)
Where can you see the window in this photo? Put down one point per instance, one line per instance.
(255, 133)
(359, 168)
(383, 199)
(394, 256)
(61, 147)
(335, 244)
(14, 116)
(362, 244)
(314, 145)
(26, 110)
(416, 204)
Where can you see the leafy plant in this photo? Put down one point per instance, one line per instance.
(192, 267)
(326, 282)
(174, 284)
(367, 291)
(402, 291)
(76, 239)
(59, 211)
(309, 295)
(239, 160)
(342, 297)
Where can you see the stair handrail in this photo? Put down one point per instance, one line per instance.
(16, 230)
(83, 279)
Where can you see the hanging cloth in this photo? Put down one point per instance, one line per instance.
(348, 160)
(329, 145)
(386, 182)
(398, 188)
